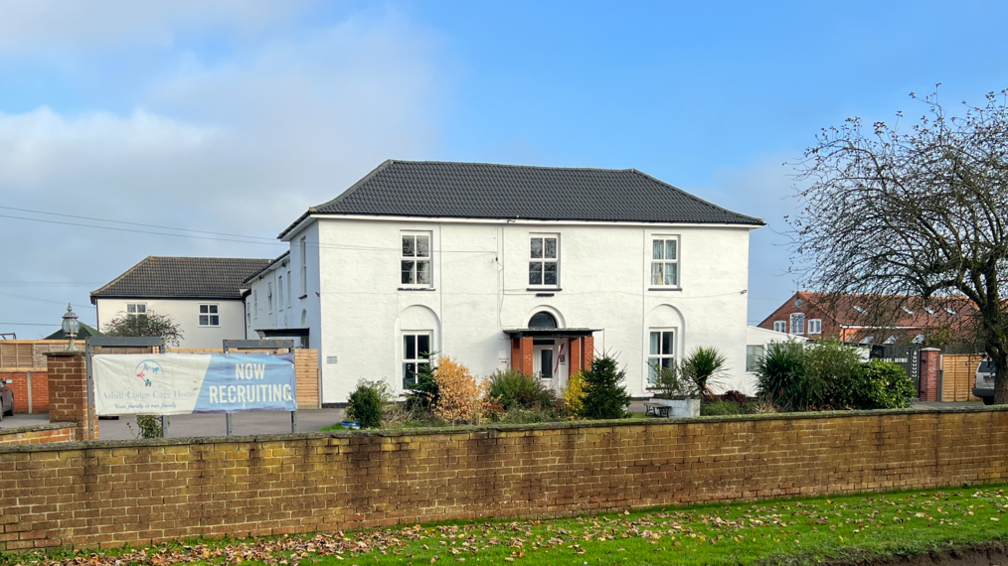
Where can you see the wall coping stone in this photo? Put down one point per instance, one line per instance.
(35, 428)
(493, 428)
(65, 354)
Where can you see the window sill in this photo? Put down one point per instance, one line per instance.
(544, 289)
(664, 288)
(417, 289)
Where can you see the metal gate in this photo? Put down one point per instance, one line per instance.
(907, 357)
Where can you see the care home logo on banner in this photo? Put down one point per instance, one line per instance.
(147, 369)
(147, 384)
(178, 384)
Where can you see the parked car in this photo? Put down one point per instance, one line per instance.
(983, 387)
(6, 399)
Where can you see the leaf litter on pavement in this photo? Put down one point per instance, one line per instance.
(742, 533)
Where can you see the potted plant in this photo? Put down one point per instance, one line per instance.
(674, 388)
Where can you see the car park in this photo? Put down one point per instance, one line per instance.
(983, 386)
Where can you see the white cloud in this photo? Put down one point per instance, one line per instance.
(30, 26)
(242, 145)
(46, 152)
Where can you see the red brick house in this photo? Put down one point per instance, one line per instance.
(909, 321)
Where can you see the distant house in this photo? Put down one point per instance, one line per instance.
(201, 294)
(532, 268)
(851, 318)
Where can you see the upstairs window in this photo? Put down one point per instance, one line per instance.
(209, 315)
(665, 261)
(798, 323)
(255, 303)
(416, 354)
(269, 297)
(136, 309)
(304, 267)
(280, 302)
(288, 289)
(544, 260)
(815, 326)
(416, 260)
(780, 326)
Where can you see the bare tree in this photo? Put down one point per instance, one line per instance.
(920, 217)
(150, 324)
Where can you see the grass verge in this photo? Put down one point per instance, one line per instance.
(783, 532)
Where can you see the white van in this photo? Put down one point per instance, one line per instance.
(983, 387)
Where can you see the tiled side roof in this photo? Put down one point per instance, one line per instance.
(266, 267)
(481, 190)
(183, 278)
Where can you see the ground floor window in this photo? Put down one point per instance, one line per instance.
(661, 353)
(753, 355)
(416, 354)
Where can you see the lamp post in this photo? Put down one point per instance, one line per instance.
(70, 326)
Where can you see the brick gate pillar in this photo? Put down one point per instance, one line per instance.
(68, 393)
(930, 364)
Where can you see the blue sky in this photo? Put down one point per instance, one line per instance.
(234, 116)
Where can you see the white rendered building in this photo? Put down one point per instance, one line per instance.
(508, 266)
(203, 295)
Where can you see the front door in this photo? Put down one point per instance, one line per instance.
(543, 359)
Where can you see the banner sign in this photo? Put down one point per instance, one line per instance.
(180, 384)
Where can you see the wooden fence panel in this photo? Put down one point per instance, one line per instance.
(306, 370)
(25, 355)
(958, 374)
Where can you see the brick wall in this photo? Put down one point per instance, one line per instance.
(930, 364)
(99, 493)
(37, 434)
(68, 393)
(18, 358)
(39, 386)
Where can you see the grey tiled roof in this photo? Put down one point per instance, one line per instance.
(183, 278)
(279, 259)
(480, 190)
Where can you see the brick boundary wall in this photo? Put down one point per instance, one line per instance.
(109, 493)
(39, 386)
(37, 434)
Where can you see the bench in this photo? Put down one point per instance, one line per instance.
(656, 410)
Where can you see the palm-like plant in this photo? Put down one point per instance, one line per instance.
(702, 364)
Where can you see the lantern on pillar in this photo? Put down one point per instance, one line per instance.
(70, 326)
